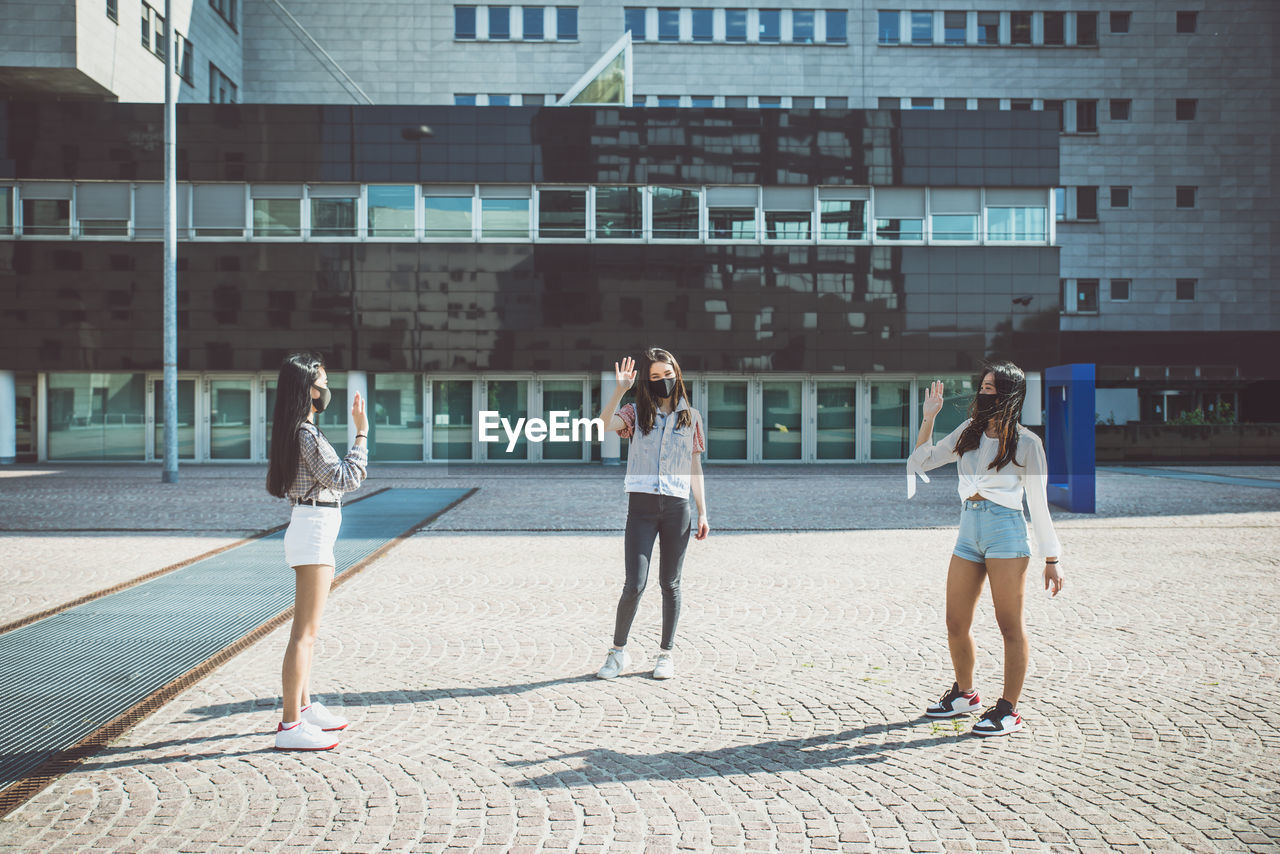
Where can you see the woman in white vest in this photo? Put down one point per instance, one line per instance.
(663, 469)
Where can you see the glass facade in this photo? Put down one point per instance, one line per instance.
(395, 410)
(96, 416)
(229, 419)
(452, 421)
(186, 419)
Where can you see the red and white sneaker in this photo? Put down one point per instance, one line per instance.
(955, 703)
(303, 736)
(1000, 719)
(321, 718)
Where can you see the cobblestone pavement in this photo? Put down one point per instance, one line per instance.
(464, 659)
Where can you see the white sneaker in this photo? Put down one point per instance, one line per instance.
(318, 716)
(665, 667)
(613, 665)
(303, 736)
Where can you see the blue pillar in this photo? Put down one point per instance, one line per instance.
(1069, 437)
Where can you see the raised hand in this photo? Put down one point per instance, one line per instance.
(933, 400)
(358, 416)
(625, 374)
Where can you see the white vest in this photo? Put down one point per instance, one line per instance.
(661, 463)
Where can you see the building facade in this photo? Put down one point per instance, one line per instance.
(1144, 130)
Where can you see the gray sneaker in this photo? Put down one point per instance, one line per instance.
(614, 664)
(665, 667)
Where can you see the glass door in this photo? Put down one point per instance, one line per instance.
(229, 418)
(395, 417)
(836, 405)
(889, 408)
(726, 419)
(781, 431)
(510, 399)
(186, 417)
(452, 419)
(564, 395)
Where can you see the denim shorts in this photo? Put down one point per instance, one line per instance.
(990, 530)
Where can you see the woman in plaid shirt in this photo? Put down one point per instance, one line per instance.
(306, 469)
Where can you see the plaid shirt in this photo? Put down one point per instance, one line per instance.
(321, 474)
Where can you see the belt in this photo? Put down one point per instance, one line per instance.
(314, 503)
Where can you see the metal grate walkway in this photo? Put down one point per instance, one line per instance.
(66, 676)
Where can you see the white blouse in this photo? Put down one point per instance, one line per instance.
(1027, 473)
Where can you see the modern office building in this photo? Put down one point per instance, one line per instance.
(817, 209)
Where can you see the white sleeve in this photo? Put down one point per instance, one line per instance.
(929, 456)
(1036, 484)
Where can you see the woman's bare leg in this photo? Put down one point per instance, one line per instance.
(310, 593)
(964, 586)
(1008, 589)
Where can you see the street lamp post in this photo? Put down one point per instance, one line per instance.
(170, 474)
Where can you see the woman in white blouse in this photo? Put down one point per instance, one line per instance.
(998, 460)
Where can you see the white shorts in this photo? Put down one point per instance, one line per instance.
(311, 535)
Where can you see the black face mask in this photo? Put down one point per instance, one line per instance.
(325, 397)
(662, 388)
(987, 405)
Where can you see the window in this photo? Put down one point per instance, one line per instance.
(953, 214)
(839, 103)
(1086, 203)
(989, 104)
(1055, 28)
(1186, 197)
(888, 103)
(770, 25)
(1187, 22)
(702, 100)
(1185, 109)
(837, 26)
(788, 213)
(499, 23)
(333, 210)
(619, 213)
(770, 102)
(668, 25)
(446, 212)
(464, 22)
(186, 59)
(735, 25)
(1020, 27)
(1086, 116)
(46, 208)
(528, 100)
(159, 45)
(802, 24)
(731, 213)
(633, 22)
(567, 23)
(562, 213)
(1020, 105)
(1054, 106)
(1059, 203)
(1119, 197)
(1086, 296)
(922, 28)
(1120, 23)
(504, 212)
(988, 28)
(955, 103)
(922, 103)
(955, 226)
(390, 211)
(668, 100)
(899, 213)
(113, 13)
(1185, 290)
(226, 9)
(1119, 109)
(499, 100)
(735, 101)
(218, 210)
(843, 213)
(1024, 224)
(6, 210)
(1087, 29)
(801, 102)
(1119, 290)
(953, 27)
(889, 24)
(531, 18)
(703, 25)
(675, 213)
(464, 100)
(277, 210)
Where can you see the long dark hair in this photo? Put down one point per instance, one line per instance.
(646, 403)
(298, 374)
(1011, 387)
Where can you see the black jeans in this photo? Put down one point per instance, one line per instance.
(666, 518)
